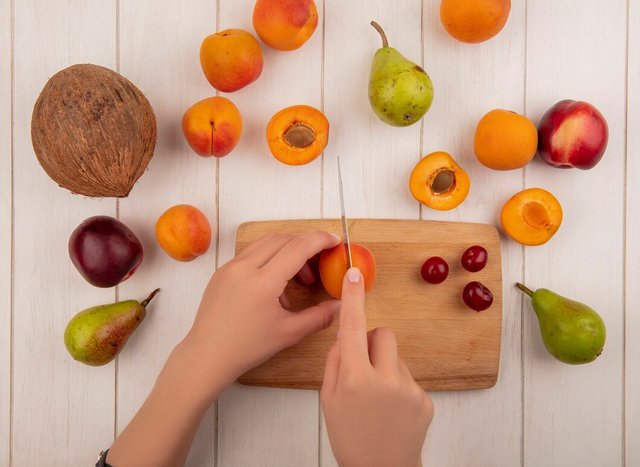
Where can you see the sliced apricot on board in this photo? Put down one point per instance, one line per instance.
(439, 182)
(532, 216)
(297, 135)
(334, 264)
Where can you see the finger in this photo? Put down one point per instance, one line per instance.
(313, 319)
(404, 369)
(331, 371)
(353, 322)
(292, 256)
(262, 250)
(284, 301)
(383, 350)
(254, 245)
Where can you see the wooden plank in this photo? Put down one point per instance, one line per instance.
(567, 408)
(632, 253)
(162, 58)
(6, 200)
(470, 80)
(446, 347)
(376, 158)
(62, 410)
(269, 427)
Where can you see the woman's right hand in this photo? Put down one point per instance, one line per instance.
(376, 414)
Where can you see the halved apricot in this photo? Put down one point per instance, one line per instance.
(532, 216)
(298, 134)
(439, 182)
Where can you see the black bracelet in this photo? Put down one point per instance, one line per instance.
(102, 461)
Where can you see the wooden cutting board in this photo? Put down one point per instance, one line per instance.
(446, 345)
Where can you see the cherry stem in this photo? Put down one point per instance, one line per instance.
(525, 289)
(149, 298)
(378, 28)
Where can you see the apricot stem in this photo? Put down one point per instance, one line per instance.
(378, 28)
(146, 301)
(525, 289)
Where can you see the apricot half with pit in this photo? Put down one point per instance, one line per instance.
(334, 265)
(439, 182)
(297, 135)
(532, 216)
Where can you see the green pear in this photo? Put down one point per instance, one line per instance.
(400, 91)
(96, 335)
(572, 332)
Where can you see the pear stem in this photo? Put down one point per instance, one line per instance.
(149, 298)
(378, 28)
(525, 289)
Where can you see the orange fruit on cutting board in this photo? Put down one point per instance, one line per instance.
(505, 140)
(474, 20)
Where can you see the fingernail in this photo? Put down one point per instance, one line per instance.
(335, 237)
(354, 275)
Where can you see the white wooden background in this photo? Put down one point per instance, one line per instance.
(541, 413)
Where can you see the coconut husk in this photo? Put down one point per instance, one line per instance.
(93, 131)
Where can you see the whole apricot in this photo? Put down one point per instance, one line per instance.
(231, 59)
(183, 232)
(505, 140)
(474, 20)
(439, 182)
(212, 126)
(532, 216)
(334, 265)
(298, 134)
(285, 24)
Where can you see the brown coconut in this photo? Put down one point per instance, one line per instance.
(93, 131)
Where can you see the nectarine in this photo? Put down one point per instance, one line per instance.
(334, 264)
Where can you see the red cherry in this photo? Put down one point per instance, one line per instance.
(476, 296)
(434, 270)
(474, 258)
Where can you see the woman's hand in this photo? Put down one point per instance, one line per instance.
(376, 414)
(241, 320)
(240, 324)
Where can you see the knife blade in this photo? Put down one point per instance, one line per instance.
(343, 217)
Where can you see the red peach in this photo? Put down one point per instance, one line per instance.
(572, 134)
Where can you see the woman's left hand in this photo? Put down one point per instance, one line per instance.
(241, 321)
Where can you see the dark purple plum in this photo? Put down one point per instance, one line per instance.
(105, 251)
